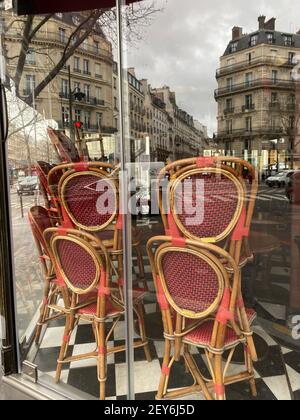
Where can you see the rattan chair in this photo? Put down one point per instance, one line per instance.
(88, 198)
(65, 149)
(84, 272)
(227, 204)
(198, 304)
(40, 221)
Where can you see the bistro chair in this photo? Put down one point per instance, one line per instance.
(217, 187)
(198, 303)
(65, 149)
(84, 272)
(88, 199)
(40, 221)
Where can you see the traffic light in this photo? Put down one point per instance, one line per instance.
(78, 124)
(34, 7)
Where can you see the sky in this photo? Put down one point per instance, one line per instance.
(182, 46)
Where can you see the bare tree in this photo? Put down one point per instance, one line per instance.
(137, 18)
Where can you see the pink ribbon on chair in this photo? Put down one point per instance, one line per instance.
(241, 230)
(205, 162)
(161, 297)
(119, 224)
(103, 290)
(173, 231)
(224, 315)
(81, 166)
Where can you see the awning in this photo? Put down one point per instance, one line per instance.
(35, 7)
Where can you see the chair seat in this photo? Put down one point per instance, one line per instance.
(202, 335)
(251, 315)
(112, 309)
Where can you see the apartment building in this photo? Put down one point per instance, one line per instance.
(256, 95)
(88, 72)
(185, 139)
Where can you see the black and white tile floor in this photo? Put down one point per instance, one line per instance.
(277, 376)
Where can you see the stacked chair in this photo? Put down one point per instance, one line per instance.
(197, 268)
(40, 221)
(80, 247)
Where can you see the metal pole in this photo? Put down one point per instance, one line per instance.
(125, 196)
(70, 105)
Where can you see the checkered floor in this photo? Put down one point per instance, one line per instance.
(277, 374)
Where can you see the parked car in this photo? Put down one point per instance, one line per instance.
(28, 185)
(279, 180)
(293, 187)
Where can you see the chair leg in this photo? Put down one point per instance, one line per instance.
(141, 320)
(70, 319)
(140, 262)
(43, 315)
(219, 381)
(102, 359)
(250, 369)
(164, 378)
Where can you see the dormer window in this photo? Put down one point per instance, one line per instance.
(271, 39)
(253, 40)
(288, 40)
(233, 47)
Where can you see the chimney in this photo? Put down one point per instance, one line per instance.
(237, 33)
(261, 22)
(270, 25)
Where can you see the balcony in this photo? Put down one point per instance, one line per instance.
(55, 39)
(99, 76)
(86, 73)
(229, 111)
(248, 108)
(275, 106)
(76, 70)
(259, 61)
(243, 132)
(256, 84)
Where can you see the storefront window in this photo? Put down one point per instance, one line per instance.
(154, 199)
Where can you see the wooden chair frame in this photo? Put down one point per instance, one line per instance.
(233, 166)
(176, 326)
(51, 292)
(98, 321)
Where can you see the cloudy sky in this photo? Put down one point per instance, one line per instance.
(182, 46)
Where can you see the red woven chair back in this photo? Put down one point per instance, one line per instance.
(40, 221)
(77, 263)
(192, 280)
(206, 204)
(90, 200)
(64, 147)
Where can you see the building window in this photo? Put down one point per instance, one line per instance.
(86, 67)
(292, 58)
(233, 47)
(65, 87)
(229, 83)
(87, 120)
(98, 71)
(253, 40)
(62, 35)
(229, 126)
(77, 115)
(249, 124)
(30, 84)
(76, 86)
(96, 47)
(229, 105)
(85, 44)
(87, 92)
(116, 103)
(99, 120)
(274, 76)
(65, 116)
(77, 64)
(288, 40)
(248, 79)
(98, 93)
(274, 97)
(271, 39)
(248, 102)
(30, 58)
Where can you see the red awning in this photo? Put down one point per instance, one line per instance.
(35, 7)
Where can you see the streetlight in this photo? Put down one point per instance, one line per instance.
(76, 94)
